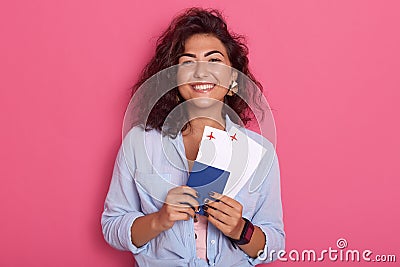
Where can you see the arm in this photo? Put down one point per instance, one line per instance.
(226, 215)
(257, 243)
(125, 226)
(121, 207)
(269, 216)
(179, 205)
(268, 235)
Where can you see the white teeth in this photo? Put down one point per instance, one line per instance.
(203, 87)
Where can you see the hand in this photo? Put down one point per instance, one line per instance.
(180, 204)
(225, 213)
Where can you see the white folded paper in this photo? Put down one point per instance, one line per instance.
(231, 151)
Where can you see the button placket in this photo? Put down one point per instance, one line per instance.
(212, 235)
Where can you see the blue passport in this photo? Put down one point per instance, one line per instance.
(205, 179)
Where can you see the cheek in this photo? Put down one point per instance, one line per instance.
(184, 75)
(219, 92)
(222, 73)
(184, 91)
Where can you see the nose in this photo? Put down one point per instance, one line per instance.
(200, 70)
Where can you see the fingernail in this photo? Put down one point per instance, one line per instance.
(205, 207)
(197, 194)
(195, 218)
(211, 194)
(206, 200)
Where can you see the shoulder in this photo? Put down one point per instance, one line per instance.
(138, 133)
(139, 140)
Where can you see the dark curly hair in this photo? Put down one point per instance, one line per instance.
(172, 43)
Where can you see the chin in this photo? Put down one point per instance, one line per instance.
(205, 103)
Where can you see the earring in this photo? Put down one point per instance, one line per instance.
(233, 88)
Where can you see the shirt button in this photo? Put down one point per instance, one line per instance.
(213, 242)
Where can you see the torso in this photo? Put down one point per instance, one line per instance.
(192, 144)
(191, 141)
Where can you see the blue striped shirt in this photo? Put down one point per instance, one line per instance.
(147, 166)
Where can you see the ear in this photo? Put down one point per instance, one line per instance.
(233, 88)
(234, 75)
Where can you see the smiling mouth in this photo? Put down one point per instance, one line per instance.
(202, 87)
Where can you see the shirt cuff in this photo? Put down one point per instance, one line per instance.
(265, 255)
(127, 240)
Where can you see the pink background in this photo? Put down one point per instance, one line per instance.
(331, 73)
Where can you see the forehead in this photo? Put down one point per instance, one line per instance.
(203, 43)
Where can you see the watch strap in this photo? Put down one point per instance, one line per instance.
(246, 234)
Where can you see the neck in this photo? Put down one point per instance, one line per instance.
(197, 124)
(199, 118)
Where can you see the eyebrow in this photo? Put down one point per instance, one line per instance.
(213, 52)
(206, 54)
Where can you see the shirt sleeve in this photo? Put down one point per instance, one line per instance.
(121, 207)
(269, 217)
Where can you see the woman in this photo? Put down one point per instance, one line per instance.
(168, 232)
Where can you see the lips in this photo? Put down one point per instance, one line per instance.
(202, 87)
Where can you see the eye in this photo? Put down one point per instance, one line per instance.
(215, 60)
(187, 62)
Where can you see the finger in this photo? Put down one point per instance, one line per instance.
(221, 206)
(186, 209)
(189, 200)
(178, 213)
(227, 200)
(178, 199)
(185, 204)
(219, 215)
(188, 190)
(179, 190)
(190, 212)
(180, 216)
(220, 225)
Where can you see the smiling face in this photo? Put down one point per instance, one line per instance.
(204, 73)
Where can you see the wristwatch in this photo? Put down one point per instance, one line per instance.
(246, 234)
